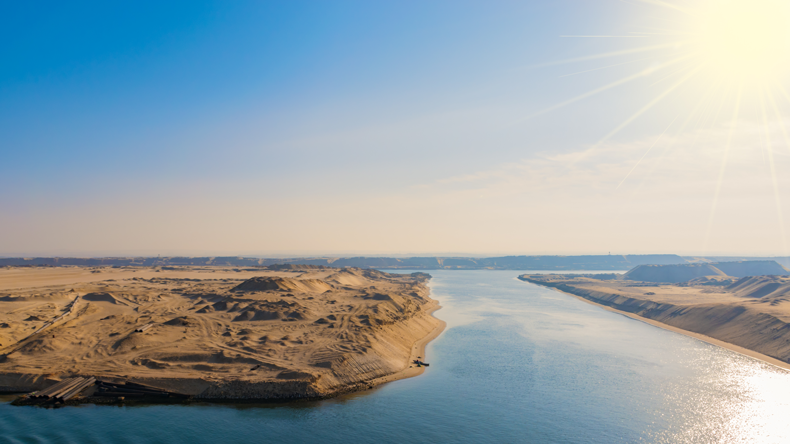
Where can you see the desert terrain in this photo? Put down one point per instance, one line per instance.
(749, 314)
(213, 332)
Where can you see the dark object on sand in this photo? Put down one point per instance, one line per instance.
(63, 390)
(143, 328)
(132, 390)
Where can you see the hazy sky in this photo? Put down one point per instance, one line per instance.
(379, 127)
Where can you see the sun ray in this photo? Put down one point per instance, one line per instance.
(603, 36)
(724, 53)
(664, 33)
(670, 75)
(711, 123)
(669, 5)
(779, 117)
(650, 105)
(607, 55)
(605, 67)
(723, 167)
(614, 84)
(772, 166)
(648, 151)
(667, 32)
(700, 121)
(696, 111)
(784, 91)
(703, 119)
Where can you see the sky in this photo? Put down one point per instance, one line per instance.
(430, 127)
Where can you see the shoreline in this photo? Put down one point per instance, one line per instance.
(21, 383)
(713, 341)
(418, 349)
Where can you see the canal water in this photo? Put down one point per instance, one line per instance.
(517, 363)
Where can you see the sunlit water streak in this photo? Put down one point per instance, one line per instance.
(517, 363)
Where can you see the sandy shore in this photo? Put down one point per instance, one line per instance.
(702, 337)
(215, 333)
(418, 350)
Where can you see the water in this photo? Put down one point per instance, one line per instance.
(517, 363)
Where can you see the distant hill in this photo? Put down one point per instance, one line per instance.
(782, 260)
(752, 268)
(672, 273)
(765, 287)
(587, 262)
(687, 272)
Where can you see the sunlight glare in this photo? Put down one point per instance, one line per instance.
(744, 39)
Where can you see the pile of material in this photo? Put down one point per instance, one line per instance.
(63, 390)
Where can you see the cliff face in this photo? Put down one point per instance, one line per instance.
(742, 324)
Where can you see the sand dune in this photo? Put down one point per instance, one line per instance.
(216, 333)
(672, 273)
(687, 272)
(752, 268)
(286, 284)
(773, 288)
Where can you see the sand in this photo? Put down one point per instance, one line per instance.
(685, 272)
(750, 316)
(215, 333)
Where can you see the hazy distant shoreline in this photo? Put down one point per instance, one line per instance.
(544, 262)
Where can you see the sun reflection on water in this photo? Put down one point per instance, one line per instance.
(738, 400)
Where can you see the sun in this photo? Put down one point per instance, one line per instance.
(745, 40)
(724, 63)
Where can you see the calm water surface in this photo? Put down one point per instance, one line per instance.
(517, 363)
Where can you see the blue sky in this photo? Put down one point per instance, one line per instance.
(335, 127)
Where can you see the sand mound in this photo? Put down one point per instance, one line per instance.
(688, 272)
(181, 321)
(223, 357)
(45, 344)
(137, 342)
(347, 277)
(752, 268)
(258, 315)
(286, 267)
(719, 281)
(206, 309)
(760, 287)
(283, 284)
(382, 297)
(671, 273)
(100, 297)
(268, 311)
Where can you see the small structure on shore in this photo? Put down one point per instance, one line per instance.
(93, 390)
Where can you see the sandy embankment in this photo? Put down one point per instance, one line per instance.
(216, 333)
(417, 351)
(754, 327)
